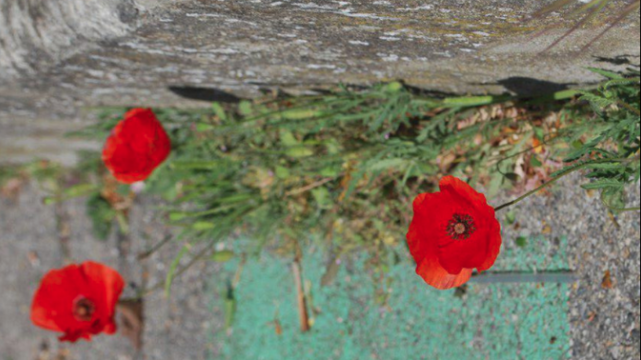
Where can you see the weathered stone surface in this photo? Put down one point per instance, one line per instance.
(36, 34)
(59, 57)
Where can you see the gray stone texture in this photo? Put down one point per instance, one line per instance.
(58, 58)
(32, 239)
(604, 322)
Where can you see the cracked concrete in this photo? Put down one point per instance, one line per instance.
(58, 59)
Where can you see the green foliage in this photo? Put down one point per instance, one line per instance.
(611, 153)
(348, 164)
(7, 173)
(173, 268)
(345, 164)
(102, 216)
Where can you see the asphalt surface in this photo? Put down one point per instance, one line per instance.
(35, 238)
(603, 253)
(603, 310)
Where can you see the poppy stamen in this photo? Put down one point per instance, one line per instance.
(461, 227)
(84, 309)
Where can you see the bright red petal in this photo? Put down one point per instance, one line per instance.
(493, 247)
(418, 242)
(443, 259)
(53, 301)
(106, 286)
(147, 135)
(110, 327)
(458, 254)
(435, 275)
(137, 145)
(427, 231)
(463, 193)
(483, 246)
(126, 165)
(429, 225)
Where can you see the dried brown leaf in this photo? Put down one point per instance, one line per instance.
(132, 321)
(607, 283)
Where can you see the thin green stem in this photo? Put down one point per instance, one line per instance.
(518, 200)
(123, 223)
(162, 284)
(628, 209)
(204, 253)
(620, 210)
(155, 248)
(629, 108)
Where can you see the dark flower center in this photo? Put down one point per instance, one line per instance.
(84, 309)
(461, 227)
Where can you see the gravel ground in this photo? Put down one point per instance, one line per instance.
(604, 317)
(35, 238)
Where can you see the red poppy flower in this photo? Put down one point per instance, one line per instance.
(453, 232)
(78, 300)
(136, 146)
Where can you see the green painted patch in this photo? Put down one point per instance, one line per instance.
(366, 315)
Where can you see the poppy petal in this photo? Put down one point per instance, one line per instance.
(435, 275)
(459, 189)
(453, 231)
(57, 300)
(106, 284)
(416, 240)
(136, 146)
(493, 247)
(124, 163)
(52, 303)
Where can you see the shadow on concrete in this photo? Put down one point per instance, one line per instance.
(528, 87)
(617, 60)
(204, 94)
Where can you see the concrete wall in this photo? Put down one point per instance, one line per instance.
(57, 58)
